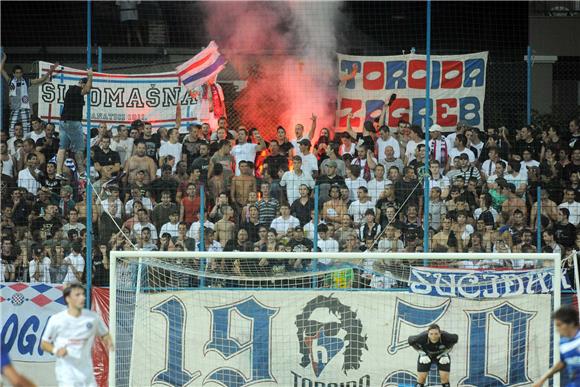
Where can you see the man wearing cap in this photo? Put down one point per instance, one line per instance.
(437, 145)
(309, 161)
(71, 130)
(331, 175)
(39, 266)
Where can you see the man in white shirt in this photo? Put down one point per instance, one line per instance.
(377, 185)
(18, 135)
(358, 208)
(571, 205)
(75, 265)
(299, 132)
(309, 161)
(37, 130)
(39, 266)
(459, 149)
(527, 161)
(73, 222)
(292, 180)
(171, 227)
(437, 179)
(516, 177)
(173, 147)
(143, 223)
(137, 195)
(488, 166)
(385, 139)
(69, 336)
(28, 178)
(326, 244)
(245, 150)
(285, 221)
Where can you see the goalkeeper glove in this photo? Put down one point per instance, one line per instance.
(444, 360)
(423, 358)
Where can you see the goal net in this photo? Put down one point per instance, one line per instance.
(341, 320)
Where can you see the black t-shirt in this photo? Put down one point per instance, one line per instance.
(191, 149)
(565, 234)
(421, 342)
(54, 185)
(73, 104)
(49, 226)
(109, 158)
(203, 164)
(302, 211)
(252, 230)
(275, 163)
(159, 185)
(152, 145)
(300, 246)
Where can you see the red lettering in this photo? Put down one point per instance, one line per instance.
(350, 106)
(447, 68)
(397, 111)
(414, 67)
(443, 117)
(377, 81)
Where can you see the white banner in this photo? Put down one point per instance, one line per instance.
(457, 89)
(121, 98)
(24, 312)
(324, 339)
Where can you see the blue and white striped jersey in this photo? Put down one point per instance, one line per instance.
(570, 354)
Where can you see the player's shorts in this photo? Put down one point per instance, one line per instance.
(71, 136)
(426, 367)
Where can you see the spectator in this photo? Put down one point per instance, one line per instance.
(571, 205)
(285, 221)
(245, 150)
(268, 207)
(242, 184)
(164, 209)
(30, 178)
(369, 229)
(143, 223)
(106, 159)
(358, 208)
(293, 179)
(302, 206)
(164, 183)
(225, 228)
(438, 147)
(71, 134)
(145, 241)
(564, 231)
(75, 264)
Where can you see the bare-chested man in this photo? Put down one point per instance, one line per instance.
(224, 228)
(140, 162)
(243, 184)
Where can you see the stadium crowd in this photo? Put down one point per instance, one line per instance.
(259, 195)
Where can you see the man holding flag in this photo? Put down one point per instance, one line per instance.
(202, 71)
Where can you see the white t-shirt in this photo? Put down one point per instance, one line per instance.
(147, 203)
(309, 164)
(574, 209)
(296, 146)
(193, 231)
(488, 167)
(27, 181)
(282, 225)
(328, 246)
(292, 182)
(78, 262)
(357, 210)
(8, 167)
(169, 228)
(382, 144)
(105, 207)
(77, 334)
(246, 152)
(453, 153)
(376, 188)
(173, 150)
(353, 186)
(44, 270)
(410, 150)
(137, 227)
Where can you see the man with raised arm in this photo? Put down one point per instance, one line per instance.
(71, 128)
(433, 346)
(20, 106)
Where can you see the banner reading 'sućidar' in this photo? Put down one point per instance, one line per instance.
(457, 89)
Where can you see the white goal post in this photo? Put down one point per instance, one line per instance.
(235, 318)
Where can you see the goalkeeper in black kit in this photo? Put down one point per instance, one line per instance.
(433, 346)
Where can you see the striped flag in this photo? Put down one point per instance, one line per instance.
(205, 65)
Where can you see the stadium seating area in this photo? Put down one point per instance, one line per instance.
(259, 195)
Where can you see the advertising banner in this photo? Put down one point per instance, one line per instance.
(324, 339)
(457, 91)
(121, 98)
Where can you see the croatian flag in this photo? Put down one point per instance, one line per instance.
(205, 65)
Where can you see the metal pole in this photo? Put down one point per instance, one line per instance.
(202, 234)
(539, 220)
(315, 235)
(427, 123)
(100, 59)
(529, 87)
(557, 289)
(89, 187)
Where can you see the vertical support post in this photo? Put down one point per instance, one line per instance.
(112, 314)
(427, 139)
(89, 187)
(557, 289)
(100, 59)
(314, 266)
(539, 220)
(529, 88)
(202, 234)
(1, 95)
